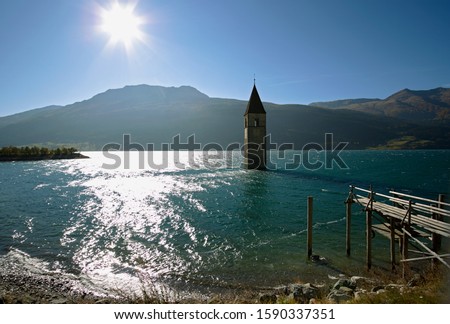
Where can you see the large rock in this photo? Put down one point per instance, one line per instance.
(344, 283)
(342, 291)
(346, 290)
(358, 279)
(304, 293)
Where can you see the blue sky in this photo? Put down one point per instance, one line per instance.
(52, 51)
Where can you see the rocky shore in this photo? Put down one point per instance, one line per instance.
(23, 282)
(26, 281)
(52, 289)
(46, 289)
(342, 290)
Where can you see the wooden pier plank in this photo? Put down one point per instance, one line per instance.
(432, 225)
(406, 219)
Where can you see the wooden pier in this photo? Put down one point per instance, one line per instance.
(407, 220)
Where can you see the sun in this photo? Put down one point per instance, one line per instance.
(122, 24)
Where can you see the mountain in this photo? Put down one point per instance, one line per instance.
(154, 114)
(342, 104)
(23, 116)
(424, 107)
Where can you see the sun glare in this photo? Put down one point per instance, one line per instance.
(122, 24)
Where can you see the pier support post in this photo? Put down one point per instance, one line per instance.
(348, 224)
(369, 231)
(405, 254)
(369, 238)
(436, 238)
(392, 246)
(407, 227)
(309, 226)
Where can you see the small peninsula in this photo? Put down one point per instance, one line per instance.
(11, 153)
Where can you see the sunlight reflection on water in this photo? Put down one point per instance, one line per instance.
(205, 227)
(135, 220)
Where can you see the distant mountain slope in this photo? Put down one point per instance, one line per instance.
(27, 115)
(342, 104)
(153, 114)
(425, 106)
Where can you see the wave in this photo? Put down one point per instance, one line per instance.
(17, 263)
(16, 260)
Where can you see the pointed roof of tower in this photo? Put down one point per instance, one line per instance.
(255, 105)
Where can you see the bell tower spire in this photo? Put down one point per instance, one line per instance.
(255, 132)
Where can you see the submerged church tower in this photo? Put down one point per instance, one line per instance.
(255, 133)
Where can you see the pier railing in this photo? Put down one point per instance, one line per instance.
(407, 219)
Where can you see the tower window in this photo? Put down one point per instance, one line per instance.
(256, 122)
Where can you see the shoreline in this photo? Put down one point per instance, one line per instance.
(42, 158)
(376, 287)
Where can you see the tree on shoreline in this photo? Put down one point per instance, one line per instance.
(36, 152)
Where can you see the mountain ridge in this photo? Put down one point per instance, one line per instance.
(418, 106)
(155, 114)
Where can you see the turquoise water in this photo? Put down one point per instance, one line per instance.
(201, 227)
